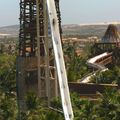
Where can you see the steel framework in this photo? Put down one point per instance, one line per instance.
(28, 33)
(36, 69)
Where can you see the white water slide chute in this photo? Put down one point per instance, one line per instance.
(60, 65)
(92, 63)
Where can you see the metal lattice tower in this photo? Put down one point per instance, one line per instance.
(28, 33)
(27, 36)
(36, 69)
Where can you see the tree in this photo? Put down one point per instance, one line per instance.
(107, 77)
(7, 73)
(109, 105)
(8, 102)
(2, 48)
(8, 107)
(76, 65)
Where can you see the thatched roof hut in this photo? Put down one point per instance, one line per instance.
(111, 35)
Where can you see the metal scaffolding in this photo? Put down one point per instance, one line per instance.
(27, 36)
(28, 33)
(36, 69)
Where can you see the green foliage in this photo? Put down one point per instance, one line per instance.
(2, 48)
(107, 107)
(8, 107)
(116, 74)
(7, 73)
(77, 68)
(8, 103)
(107, 77)
(37, 109)
(52, 115)
(88, 51)
(31, 101)
(56, 103)
(41, 114)
(76, 65)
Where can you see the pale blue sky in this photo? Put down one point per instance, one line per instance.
(73, 11)
(9, 12)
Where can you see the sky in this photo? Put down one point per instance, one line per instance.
(9, 12)
(72, 11)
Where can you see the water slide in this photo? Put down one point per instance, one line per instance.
(60, 65)
(92, 62)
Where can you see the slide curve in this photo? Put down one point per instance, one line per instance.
(92, 63)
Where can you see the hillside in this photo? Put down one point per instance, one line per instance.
(72, 29)
(9, 31)
(85, 30)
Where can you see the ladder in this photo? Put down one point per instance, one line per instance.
(60, 65)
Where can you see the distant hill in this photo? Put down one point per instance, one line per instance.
(71, 29)
(9, 31)
(86, 30)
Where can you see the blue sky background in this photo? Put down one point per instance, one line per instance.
(89, 11)
(73, 11)
(9, 12)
